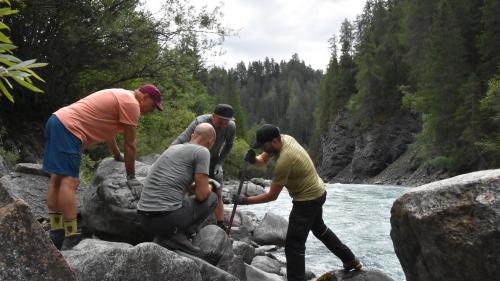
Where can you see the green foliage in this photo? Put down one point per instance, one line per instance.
(11, 157)
(12, 69)
(490, 108)
(234, 161)
(87, 168)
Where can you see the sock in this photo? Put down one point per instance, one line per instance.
(56, 220)
(70, 227)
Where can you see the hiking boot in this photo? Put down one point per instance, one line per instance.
(57, 237)
(71, 241)
(353, 265)
(178, 241)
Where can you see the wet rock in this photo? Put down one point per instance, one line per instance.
(96, 260)
(110, 210)
(260, 181)
(248, 188)
(26, 251)
(361, 275)
(271, 231)
(263, 250)
(448, 230)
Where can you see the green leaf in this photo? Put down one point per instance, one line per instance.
(21, 64)
(6, 62)
(10, 58)
(7, 47)
(7, 11)
(27, 85)
(6, 92)
(38, 64)
(4, 38)
(34, 74)
(4, 26)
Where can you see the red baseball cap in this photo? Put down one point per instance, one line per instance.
(153, 93)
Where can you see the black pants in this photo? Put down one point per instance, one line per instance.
(184, 219)
(308, 216)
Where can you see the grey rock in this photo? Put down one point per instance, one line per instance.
(267, 264)
(214, 244)
(262, 250)
(245, 250)
(30, 183)
(110, 210)
(27, 253)
(234, 265)
(31, 188)
(361, 275)
(94, 260)
(255, 274)
(260, 181)
(208, 271)
(31, 168)
(449, 230)
(271, 231)
(337, 147)
(248, 189)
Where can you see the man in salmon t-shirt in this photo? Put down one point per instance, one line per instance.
(93, 119)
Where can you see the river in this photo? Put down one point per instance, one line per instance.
(360, 216)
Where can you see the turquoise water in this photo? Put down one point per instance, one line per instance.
(360, 216)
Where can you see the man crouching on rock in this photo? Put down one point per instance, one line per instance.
(163, 207)
(295, 170)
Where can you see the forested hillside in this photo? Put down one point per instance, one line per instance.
(406, 75)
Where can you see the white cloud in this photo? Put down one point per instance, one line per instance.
(279, 28)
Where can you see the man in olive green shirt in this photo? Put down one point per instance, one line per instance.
(295, 170)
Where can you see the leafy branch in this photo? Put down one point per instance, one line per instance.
(11, 67)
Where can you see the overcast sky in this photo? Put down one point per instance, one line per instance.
(279, 28)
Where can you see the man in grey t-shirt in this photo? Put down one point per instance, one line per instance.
(222, 120)
(163, 207)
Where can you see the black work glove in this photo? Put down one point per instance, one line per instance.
(239, 199)
(215, 185)
(135, 186)
(221, 225)
(250, 156)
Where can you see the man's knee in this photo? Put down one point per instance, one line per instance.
(212, 200)
(70, 182)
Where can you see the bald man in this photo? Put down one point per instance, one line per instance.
(163, 207)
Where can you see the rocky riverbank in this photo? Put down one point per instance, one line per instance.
(117, 248)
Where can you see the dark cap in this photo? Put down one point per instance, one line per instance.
(224, 111)
(153, 93)
(264, 134)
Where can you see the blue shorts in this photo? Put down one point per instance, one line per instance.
(63, 150)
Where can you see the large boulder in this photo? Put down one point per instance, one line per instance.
(255, 274)
(361, 275)
(216, 249)
(267, 264)
(208, 271)
(26, 251)
(449, 230)
(110, 210)
(245, 250)
(271, 231)
(30, 182)
(248, 188)
(97, 260)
